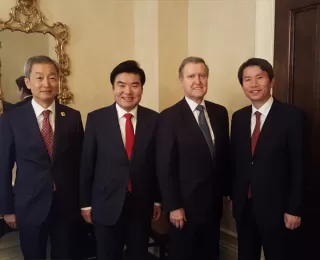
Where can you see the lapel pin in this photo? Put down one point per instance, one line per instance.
(63, 114)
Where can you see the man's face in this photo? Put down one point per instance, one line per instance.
(127, 90)
(194, 81)
(43, 83)
(256, 84)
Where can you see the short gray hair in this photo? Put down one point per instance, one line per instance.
(38, 60)
(192, 59)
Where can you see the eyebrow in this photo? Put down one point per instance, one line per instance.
(135, 82)
(256, 75)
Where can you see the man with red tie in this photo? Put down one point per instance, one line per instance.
(118, 188)
(44, 139)
(267, 154)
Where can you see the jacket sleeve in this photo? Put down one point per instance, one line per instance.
(7, 160)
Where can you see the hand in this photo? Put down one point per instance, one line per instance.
(292, 222)
(178, 217)
(86, 214)
(156, 211)
(11, 220)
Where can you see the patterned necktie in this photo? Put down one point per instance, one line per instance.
(129, 142)
(47, 132)
(254, 140)
(203, 124)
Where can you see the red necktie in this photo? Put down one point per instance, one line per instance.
(256, 132)
(254, 139)
(129, 142)
(47, 135)
(47, 132)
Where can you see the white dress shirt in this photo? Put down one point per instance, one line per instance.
(264, 110)
(193, 106)
(38, 112)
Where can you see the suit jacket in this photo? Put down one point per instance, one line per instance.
(275, 169)
(21, 142)
(7, 106)
(23, 101)
(188, 176)
(105, 167)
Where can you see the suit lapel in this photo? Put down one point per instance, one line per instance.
(213, 119)
(247, 129)
(115, 129)
(61, 128)
(266, 128)
(141, 130)
(190, 120)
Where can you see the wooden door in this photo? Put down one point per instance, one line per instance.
(297, 71)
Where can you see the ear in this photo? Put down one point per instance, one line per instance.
(27, 81)
(180, 80)
(272, 83)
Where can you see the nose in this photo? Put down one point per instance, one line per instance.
(254, 83)
(127, 90)
(45, 82)
(197, 79)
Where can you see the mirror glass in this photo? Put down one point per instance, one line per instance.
(16, 48)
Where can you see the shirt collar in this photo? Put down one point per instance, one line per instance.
(193, 105)
(121, 112)
(39, 109)
(264, 110)
(27, 96)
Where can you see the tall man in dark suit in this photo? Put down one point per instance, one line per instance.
(44, 139)
(118, 182)
(25, 93)
(267, 154)
(192, 151)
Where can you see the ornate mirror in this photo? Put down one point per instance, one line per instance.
(24, 34)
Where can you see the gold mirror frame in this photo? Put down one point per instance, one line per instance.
(1, 94)
(26, 17)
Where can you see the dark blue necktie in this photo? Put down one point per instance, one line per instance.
(205, 128)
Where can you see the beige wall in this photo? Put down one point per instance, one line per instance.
(159, 34)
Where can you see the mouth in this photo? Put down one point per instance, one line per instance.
(127, 99)
(255, 91)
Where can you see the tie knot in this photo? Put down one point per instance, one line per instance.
(46, 113)
(128, 116)
(258, 114)
(200, 108)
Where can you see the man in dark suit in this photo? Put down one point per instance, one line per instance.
(192, 152)
(25, 93)
(267, 154)
(44, 139)
(118, 182)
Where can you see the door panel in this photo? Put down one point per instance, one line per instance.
(297, 72)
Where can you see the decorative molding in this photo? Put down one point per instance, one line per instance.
(26, 17)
